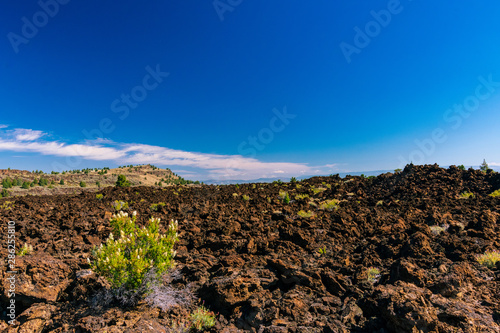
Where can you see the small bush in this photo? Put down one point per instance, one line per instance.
(461, 167)
(329, 204)
(201, 318)
(131, 252)
(4, 193)
(82, 184)
(466, 195)
(61, 182)
(301, 196)
(283, 195)
(495, 193)
(304, 214)
(372, 274)
(26, 185)
(436, 229)
(397, 170)
(26, 249)
(7, 205)
(246, 197)
(317, 190)
(489, 258)
(6, 183)
(122, 181)
(119, 205)
(154, 207)
(99, 196)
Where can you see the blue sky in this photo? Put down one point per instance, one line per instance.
(247, 89)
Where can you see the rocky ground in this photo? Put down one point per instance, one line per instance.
(263, 268)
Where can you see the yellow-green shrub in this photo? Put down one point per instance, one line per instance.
(489, 258)
(131, 252)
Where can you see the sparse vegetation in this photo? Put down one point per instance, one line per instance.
(99, 196)
(489, 258)
(372, 274)
(202, 319)
(26, 249)
(283, 195)
(246, 197)
(495, 193)
(301, 196)
(82, 184)
(397, 170)
(329, 204)
(7, 205)
(317, 190)
(436, 229)
(461, 167)
(119, 205)
(304, 214)
(4, 193)
(466, 195)
(154, 207)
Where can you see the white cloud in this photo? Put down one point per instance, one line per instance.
(494, 164)
(3, 126)
(22, 134)
(213, 166)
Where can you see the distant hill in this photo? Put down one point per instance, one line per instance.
(71, 181)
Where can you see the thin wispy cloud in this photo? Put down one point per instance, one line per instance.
(3, 126)
(22, 134)
(214, 166)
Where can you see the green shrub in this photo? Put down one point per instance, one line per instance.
(26, 185)
(201, 318)
(293, 180)
(466, 195)
(6, 183)
(372, 274)
(154, 207)
(304, 214)
(301, 196)
(495, 194)
(283, 195)
(26, 249)
(61, 182)
(99, 196)
(436, 229)
(131, 252)
(397, 170)
(122, 181)
(7, 205)
(317, 190)
(329, 204)
(461, 167)
(489, 258)
(246, 197)
(4, 193)
(82, 184)
(43, 181)
(119, 205)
